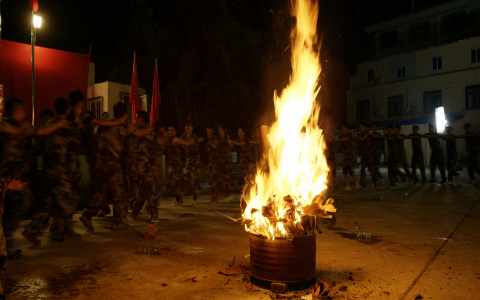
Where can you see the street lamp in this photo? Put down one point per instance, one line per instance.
(36, 23)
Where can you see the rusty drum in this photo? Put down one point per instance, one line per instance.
(280, 260)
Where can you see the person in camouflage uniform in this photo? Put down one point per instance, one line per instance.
(377, 140)
(366, 155)
(175, 163)
(451, 140)
(15, 136)
(473, 142)
(402, 154)
(392, 156)
(330, 156)
(224, 164)
(246, 159)
(417, 157)
(224, 145)
(193, 162)
(436, 157)
(156, 165)
(348, 156)
(110, 173)
(212, 152)
(140, 177)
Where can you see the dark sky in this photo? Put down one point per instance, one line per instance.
(73, 25)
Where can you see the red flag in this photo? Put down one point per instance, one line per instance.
(134, 96)
(156, 98)
(34, 5)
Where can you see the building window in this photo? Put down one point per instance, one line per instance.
(401, 72)
(454, 22)
(472, 96)
(395, 106)
(363, 110)
(437, 63)
(95, 105)
(418, 32)
(475, 54)
(371, 76)
(431, 100)
(388, 39)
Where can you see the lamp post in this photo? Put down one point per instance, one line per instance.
(36, 23)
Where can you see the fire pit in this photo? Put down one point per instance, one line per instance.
(281, 260)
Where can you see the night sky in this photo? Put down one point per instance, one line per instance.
(200, 44)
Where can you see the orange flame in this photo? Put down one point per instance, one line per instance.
(294, 169)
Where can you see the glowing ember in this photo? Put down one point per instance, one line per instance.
(293, 172)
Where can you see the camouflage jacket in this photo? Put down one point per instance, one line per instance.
(112, 140)
(416, 144)
(16, 148)
(61, 150)
(377, 141)
(193, 151)
(451, 148)
(366, 144)
(392, 144)
(139, 148)
(245, 152)
(348, 144)
(224, 152)
(89, 144)
(473, 142)
(156, 150)
(329, 150)
(212, 151)
(400, 142)
(434, 142)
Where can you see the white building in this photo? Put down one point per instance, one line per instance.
(423, 60)
(102, 96)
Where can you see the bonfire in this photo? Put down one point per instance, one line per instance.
(286, 191)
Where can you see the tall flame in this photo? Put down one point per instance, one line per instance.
(294, 169)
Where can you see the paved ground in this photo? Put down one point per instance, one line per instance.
(424, 243)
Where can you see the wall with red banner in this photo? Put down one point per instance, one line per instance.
(56, 74)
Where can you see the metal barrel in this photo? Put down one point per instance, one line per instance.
(280, 260)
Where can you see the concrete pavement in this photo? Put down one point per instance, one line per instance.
(424, 243)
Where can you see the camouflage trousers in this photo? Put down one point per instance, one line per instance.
(17, 206)
(110, 182)
(141, 189)
(158, 182)
(348, 164)
(366, 163)
(392, 167)
(376, 157)
(174, 179)
(66, 191)
(192, 177)
(451, 164)
(224, 177)
(437, 159)
(473, 164)
(213, 177)
(248, 169)
(44, 205)
(418, 162)
(402, 160)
